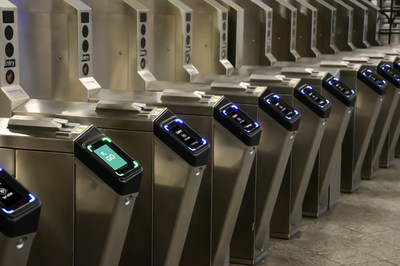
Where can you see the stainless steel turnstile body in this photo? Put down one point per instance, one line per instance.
(382, 129)
(220, 194)
(286, 218)
(134, 131)
(28, 146)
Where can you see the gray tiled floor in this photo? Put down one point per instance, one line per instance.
(362, 229)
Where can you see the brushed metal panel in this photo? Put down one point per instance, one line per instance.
(50, 176)
(10, 254)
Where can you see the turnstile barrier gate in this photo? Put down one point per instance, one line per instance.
(19, 218)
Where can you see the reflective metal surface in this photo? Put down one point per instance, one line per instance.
(306, 31)
(373, 24)
(360, 23)
(316, 201)
(99, 242)
(325, 33)
(343, 25)
(389, 105)
(284, 22)
(15, 251)
(359, 133)
(176, 185)
(250, 25)
(251, 237)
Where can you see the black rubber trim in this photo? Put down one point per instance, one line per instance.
(25, 219)
(334, 91)
(381, 90)
(248, 138)
(128, 184)
(323, 112)
(195, 158)
(290, 124)
(389, 73)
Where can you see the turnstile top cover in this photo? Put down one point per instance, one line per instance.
(372, 80)
(389, 73)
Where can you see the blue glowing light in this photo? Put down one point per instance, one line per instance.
(234, 107)
(288, 117)
(204, 141)
(383, 81)
(192, 149)
(352, 91)
(224, 112)
(166, 128)
(178, 120)
(276, 96)
(1, 169)
(296, 112)
(256, 124)
(327, 101)
(7, 211)
(32, 198)
(268, 101)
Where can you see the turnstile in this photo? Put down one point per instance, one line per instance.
(387, 155)
(234, 139)
(396, 65)
(19, 218)
(384, 121)
(135, 129)
(89, 188)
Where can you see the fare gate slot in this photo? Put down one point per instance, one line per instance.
(20, 212)
(387, 155)
(343, 25)
(370, 167)
(360, 24)
(371, 91)
(41, 142)
(317, 200)
(325, 32)
(253, 46)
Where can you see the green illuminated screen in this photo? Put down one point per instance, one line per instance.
(110, 157)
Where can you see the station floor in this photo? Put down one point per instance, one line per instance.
(362, 229)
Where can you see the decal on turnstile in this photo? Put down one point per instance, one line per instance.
(313, 100)
(224, 35)
(115, 167)
(338, 89)
(142, 28)
(237, 122)
(372, 80)
(273, 105)
(174, 132)
(85, 40)
(10, 40)
(20, 209)
(187, 36)
(389, 73)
